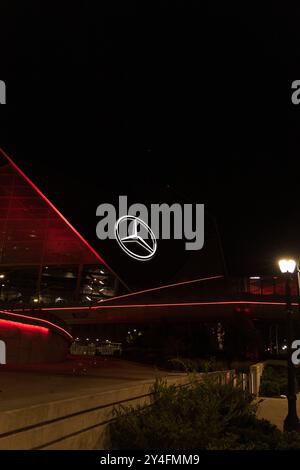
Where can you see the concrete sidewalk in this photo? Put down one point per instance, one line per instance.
(275, 409)
(75, 377)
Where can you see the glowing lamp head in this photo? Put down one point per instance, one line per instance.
(287, 266)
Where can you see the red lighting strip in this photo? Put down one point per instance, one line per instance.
(194, 304)
(179, 304)
(54, 208)
(160, 288)
(44, 309)
(53, 325)
(24, 326)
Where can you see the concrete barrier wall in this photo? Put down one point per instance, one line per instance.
(76, 423)
(25, 347)
(31, 340)
(255, 374)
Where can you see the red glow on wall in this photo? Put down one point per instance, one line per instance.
(23, 326)
(45, 322)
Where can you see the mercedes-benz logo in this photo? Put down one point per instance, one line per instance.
(140, 248)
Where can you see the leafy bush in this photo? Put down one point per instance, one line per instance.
(202, 415)
(194, 365)
(273, 381)
(269, 388)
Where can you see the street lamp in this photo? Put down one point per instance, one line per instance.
(287, 266)
(291, 422)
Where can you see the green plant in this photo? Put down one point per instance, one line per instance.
(202, 415)
(273, 381)
(194, 365)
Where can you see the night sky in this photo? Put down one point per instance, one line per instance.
(174, 103)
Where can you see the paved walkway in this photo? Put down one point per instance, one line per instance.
(32, 385)
(275, 410)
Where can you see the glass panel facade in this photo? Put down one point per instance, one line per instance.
(42, 260)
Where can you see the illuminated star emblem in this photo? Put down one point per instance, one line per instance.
(134, 245)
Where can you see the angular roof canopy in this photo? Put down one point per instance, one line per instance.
(32, 230)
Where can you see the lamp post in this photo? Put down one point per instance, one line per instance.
(291, 422)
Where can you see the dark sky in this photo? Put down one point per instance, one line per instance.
(169, 103)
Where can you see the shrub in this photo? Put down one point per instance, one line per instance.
(273, 381)
(202, 415)
(182, 364)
